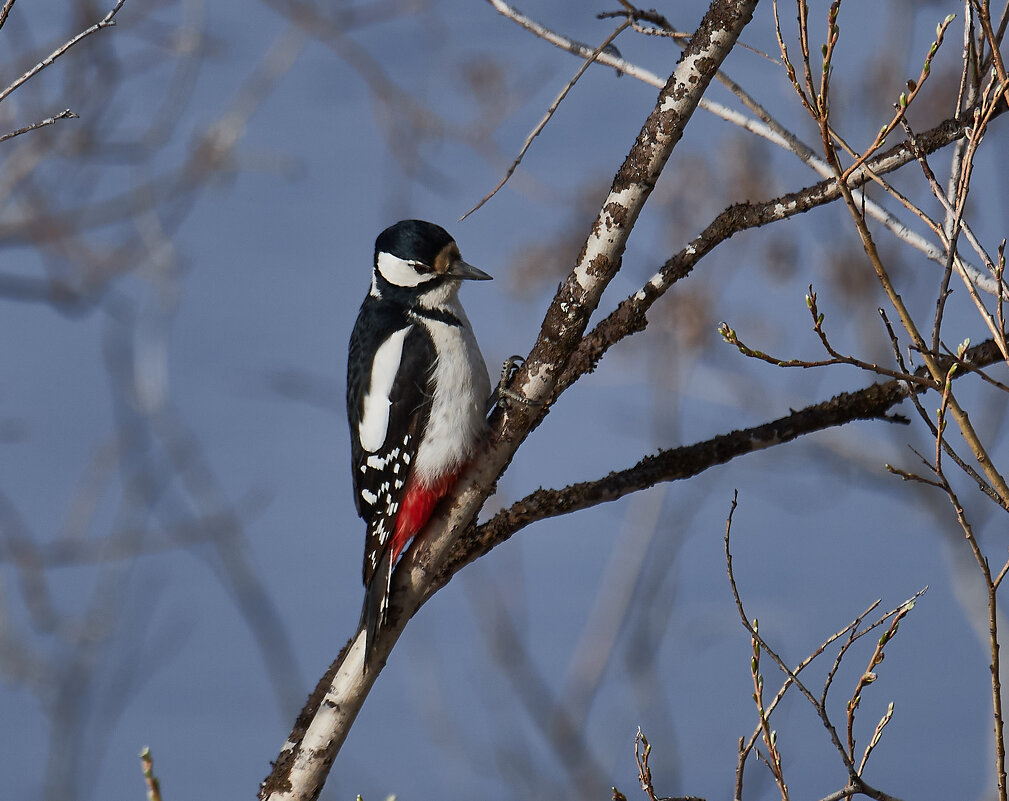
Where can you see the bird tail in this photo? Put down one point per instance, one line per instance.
(376, 603)
(419, 500)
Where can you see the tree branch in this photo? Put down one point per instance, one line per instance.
(66, 114)
(304, 764)
(674, 464)
(765, 126)
(630, 315)
(106, 22)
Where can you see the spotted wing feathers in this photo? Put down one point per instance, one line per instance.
(391, 395)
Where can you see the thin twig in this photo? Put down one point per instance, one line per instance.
(548, 115)
(106, 22)
(761, 643)
(857, 634)
(867, 677)
(766, 127)
(855, 779)
(5, 11)
(955, 214)
(876, 735)
(967, 429)
(642, 749)
(773, 758)
(730, 336)
(66, 114)
(150, 780)
(991, 587)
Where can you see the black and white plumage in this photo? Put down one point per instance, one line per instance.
(417, 390)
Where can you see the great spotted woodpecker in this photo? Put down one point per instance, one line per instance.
(417, 394)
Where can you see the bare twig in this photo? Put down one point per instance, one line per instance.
(876, 735)
(629, 316)
(991, 587)
(762, 644)
(548, 116)
(773, 759)
(106, 22)
(867, 677)
(730, 336)
(996, 480)
(957, 223)
(819, 705)
(8, 4)
(905, 99)
(66, 114)
(150, 780)
(642, 749)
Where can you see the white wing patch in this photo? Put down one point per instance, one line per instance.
(399, 272)
(375, 419)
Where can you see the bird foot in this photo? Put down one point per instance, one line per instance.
(502, 393)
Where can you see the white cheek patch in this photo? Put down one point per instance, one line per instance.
(375, 418)
(400, 272)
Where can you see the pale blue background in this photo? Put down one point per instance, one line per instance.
(272, 264)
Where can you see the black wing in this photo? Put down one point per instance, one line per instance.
(380, 477)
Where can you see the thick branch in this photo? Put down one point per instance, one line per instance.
(600, 257)
(306, 760)
(873, 402)
(630, 315)
(764, 125)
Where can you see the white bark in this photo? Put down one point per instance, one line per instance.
(562, 329)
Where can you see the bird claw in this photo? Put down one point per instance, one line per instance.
(502, 393)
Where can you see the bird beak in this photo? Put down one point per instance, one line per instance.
(464, 271)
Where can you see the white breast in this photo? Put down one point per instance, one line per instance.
(458, 408)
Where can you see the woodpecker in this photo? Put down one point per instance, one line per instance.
(417, 394)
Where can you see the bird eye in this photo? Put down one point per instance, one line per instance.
(420, 267)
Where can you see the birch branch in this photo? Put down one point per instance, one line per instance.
(766, 127)
(629, 316)
(304, 763)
